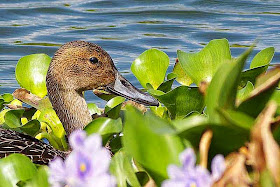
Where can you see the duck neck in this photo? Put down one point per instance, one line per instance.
(70, 106)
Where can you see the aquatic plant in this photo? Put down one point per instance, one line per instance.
(218, 109)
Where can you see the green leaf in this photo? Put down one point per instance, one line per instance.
(15, 168)
(1, 104)
(243, 93)
(166, 85)
(122, 168)
(258, 98)
(151, 142)
(7, 97)
(93, 109)
(113, 107)
(40, 179)
(263, 58)
(222, 90)
(150, 67)
(32, 127)
(181, 101)
(31, 71)
(266, 179)
(182, 77)
(251, 75)
(12, 118)
(203, 65)
(106, 127)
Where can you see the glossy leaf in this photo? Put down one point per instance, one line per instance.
(263, 58)
(166, 85)
(12, 118)
(7, 97)
(40, 179)
(31, 71)
(113, 107)
(181, 101)
(150, 67)
(122, 168)
(106, 127)
(264, 88)
(151, 142)
(243, 93)
(222, 90)
(32, 127)
(203, 65)
(15, 168)
(181, 77)
(93, 109)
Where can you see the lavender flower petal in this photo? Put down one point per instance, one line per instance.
(172, 183)
(188, 158)
(93, 143)
(77, 139)
(57, 172)
(174, 172)
(104, 180)
(218, 167)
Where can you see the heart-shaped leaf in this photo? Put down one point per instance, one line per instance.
(150, 67)
(181, 76)
(203, 65)
(31, 71)
(263, 58)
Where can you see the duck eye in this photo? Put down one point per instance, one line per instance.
(93, 60)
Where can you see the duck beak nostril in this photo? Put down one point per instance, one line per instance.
(124, 88)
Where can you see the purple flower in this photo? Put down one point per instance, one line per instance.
(190, 175)
(87, 165)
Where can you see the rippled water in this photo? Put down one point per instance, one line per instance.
(126, 28)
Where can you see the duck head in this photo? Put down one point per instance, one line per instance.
(79, 66)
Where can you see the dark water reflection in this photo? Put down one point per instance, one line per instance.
(127, 28)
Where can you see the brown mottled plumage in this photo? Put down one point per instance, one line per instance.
(71, 72)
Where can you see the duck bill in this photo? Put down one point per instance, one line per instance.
(124, 88)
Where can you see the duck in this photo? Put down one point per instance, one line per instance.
(76, 67)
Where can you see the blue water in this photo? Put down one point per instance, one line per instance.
(127, 28)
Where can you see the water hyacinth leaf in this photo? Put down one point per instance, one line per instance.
(251, 75)
(40, 179)
(238, 119)
(181, 101)
(115, 144)
(12, 118)
(150, 67)
(121, 167)
(16, 168)
(166, 85)
(32, 127)
(1, 104)
(264, 88)
(263, 58)
(222, 90)
(106, 127)
(113, 107)
(203, 65)
(181, 77)
(31, 71)
(151, 142)
(93, 109)
(243, 93)
(7, 97)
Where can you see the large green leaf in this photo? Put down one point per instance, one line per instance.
(251, 75)
(15, 168)
(32, 127)
(7, 97)
(122, 168)
(106, 127)
(181, 76)
(40, 179)
(113, 107)
(203, 65)
(12, 118)
(151, 142)
(150, 67)
(222, 90)
(31, 71)
(258, 98)
(263, 58)
(181, 101)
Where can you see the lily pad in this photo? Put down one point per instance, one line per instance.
(150, 67)
(151, 142)
(203, 65)
(31, 71)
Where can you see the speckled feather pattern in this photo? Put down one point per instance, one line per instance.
(37, 151)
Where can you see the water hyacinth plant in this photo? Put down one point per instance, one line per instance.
(214, 115)
(86, 165)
